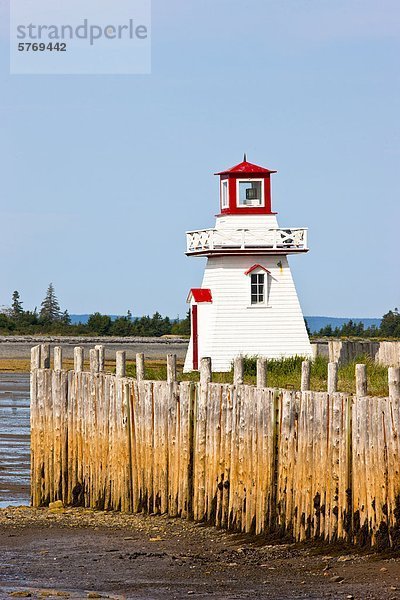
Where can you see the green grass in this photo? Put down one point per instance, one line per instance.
(285, 373)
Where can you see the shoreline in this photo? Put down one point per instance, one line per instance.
(15, 351)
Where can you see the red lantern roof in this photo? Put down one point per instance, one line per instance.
(245, 168)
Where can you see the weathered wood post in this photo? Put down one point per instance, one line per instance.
(120, 369)
(199, 507)
(305, 375)
(332, 377)
(45, 356)
(57, 358)
(101, 351)
(35, 358)
(78, 359)
(171, 368)
(262, 372)
(94, 360)
(205, 371)
(361, 380)
(238, 370)
(394, 382)
(140, 366)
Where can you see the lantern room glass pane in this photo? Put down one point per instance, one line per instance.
(250, 193)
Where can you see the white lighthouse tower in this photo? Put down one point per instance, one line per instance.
(247, 304)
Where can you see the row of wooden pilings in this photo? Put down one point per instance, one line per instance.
(41, 358)
(310, 465)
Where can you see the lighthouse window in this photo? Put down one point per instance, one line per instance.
(224, 194)
(257, 288)
(250, 193)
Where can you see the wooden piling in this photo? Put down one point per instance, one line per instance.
(361, 380)
(199, 506)
(120, 363)
(394, 382)
(94, 360)
(313, 465)
(45, 356)
(262, 372)
(57, 358)
(35, 358)
(332, 377)
(101, 351)
(140, 372)
(78, 359)
(171, 368)
(238, 370)
(305, 375)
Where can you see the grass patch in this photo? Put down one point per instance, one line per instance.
(284, 373)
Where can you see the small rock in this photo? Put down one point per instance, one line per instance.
(383, 570)
(94, 595)
(56, 505)
(337, 579)
(52, 593)
(155, 539)
(350, 597)
(21, 594)
(190, 592)
(393, 588)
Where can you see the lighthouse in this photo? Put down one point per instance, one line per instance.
(247, 304)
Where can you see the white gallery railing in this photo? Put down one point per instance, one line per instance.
(225, 239)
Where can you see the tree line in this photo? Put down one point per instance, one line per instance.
(389, 327)
(51, 319)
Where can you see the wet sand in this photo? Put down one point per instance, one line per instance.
(79, 553)
(14, 439)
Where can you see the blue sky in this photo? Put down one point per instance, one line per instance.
(102, 175)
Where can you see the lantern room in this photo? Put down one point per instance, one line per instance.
(245, 189)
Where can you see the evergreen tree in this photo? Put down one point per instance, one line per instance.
(390, 325)
(182, 327)
(16, 306)
(65, 318)
(100, 324)
(50, 310)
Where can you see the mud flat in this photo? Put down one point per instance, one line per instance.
(79, 553)
(19, 347)
(14, 439)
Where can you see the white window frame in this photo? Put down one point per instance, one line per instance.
(267, 289)
(251, 179)
(224, 183)
(260, 287)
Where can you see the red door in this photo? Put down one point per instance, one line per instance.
(195, 338)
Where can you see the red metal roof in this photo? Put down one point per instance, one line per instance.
(200, 295)
(245, 168)
(254, 267)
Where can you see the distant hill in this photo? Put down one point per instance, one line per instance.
(75, 319)
(316, 323)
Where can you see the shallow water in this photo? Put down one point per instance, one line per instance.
(14, 439)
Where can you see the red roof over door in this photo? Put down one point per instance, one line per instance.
(200, 295)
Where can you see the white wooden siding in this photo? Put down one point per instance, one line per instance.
(231, 326)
